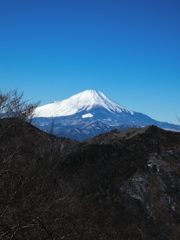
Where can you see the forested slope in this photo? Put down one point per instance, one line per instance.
(116, 186)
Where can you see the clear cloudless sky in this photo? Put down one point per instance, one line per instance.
(127, 49)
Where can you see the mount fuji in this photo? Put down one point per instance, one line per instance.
(87, 114)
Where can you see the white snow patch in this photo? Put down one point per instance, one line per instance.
(87, 115)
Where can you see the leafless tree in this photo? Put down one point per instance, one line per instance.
(12, 104)
(52, 126)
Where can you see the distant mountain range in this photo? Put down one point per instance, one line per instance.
(87, 114)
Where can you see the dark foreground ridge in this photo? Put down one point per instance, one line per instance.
(118, 185)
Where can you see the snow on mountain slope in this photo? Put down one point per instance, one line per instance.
(85, 100)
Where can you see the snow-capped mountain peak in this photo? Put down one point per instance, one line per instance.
(87, 114)
(85, 100)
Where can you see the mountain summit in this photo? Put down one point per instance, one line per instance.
(88, 114)
(85, 100)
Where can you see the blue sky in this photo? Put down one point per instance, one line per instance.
(127, 49)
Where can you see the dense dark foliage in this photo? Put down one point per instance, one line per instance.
(119, 185)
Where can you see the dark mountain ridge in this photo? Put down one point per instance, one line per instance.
(118, 185)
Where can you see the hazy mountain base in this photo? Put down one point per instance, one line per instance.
(55, 188)
(77, 128)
